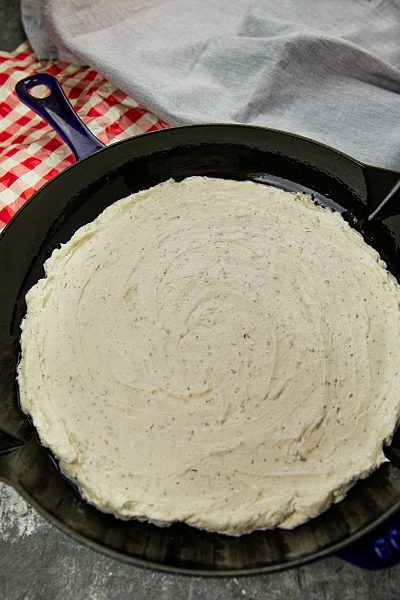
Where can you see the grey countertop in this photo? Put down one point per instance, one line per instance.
(40, 563)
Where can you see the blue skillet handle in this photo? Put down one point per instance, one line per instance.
(57, 111)
(377, 550)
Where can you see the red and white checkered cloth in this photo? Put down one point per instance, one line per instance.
(31, 153)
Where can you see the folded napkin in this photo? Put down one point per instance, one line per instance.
(325, 69)
(31, 153)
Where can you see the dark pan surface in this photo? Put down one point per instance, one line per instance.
(76, 197)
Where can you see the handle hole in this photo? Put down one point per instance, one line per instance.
(39, 91)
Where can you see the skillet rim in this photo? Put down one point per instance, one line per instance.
(289, 134)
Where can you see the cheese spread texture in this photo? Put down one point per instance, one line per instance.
(217, 352)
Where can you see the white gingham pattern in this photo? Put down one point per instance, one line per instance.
(31, 153)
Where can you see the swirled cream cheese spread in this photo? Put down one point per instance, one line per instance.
(217, 352)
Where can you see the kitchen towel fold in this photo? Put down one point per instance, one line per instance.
(327, 70)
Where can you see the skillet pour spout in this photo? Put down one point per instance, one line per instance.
(390, 205)
(362, 528)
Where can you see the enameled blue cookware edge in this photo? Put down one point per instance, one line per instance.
(376, 550)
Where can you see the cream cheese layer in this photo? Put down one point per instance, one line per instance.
(217, 352)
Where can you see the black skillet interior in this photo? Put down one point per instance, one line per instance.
(76, 197)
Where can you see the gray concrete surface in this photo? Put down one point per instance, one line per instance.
(37, 562)
(11, 31)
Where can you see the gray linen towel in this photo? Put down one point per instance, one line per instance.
(326, 69)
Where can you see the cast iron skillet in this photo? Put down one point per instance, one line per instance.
(362, 528)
